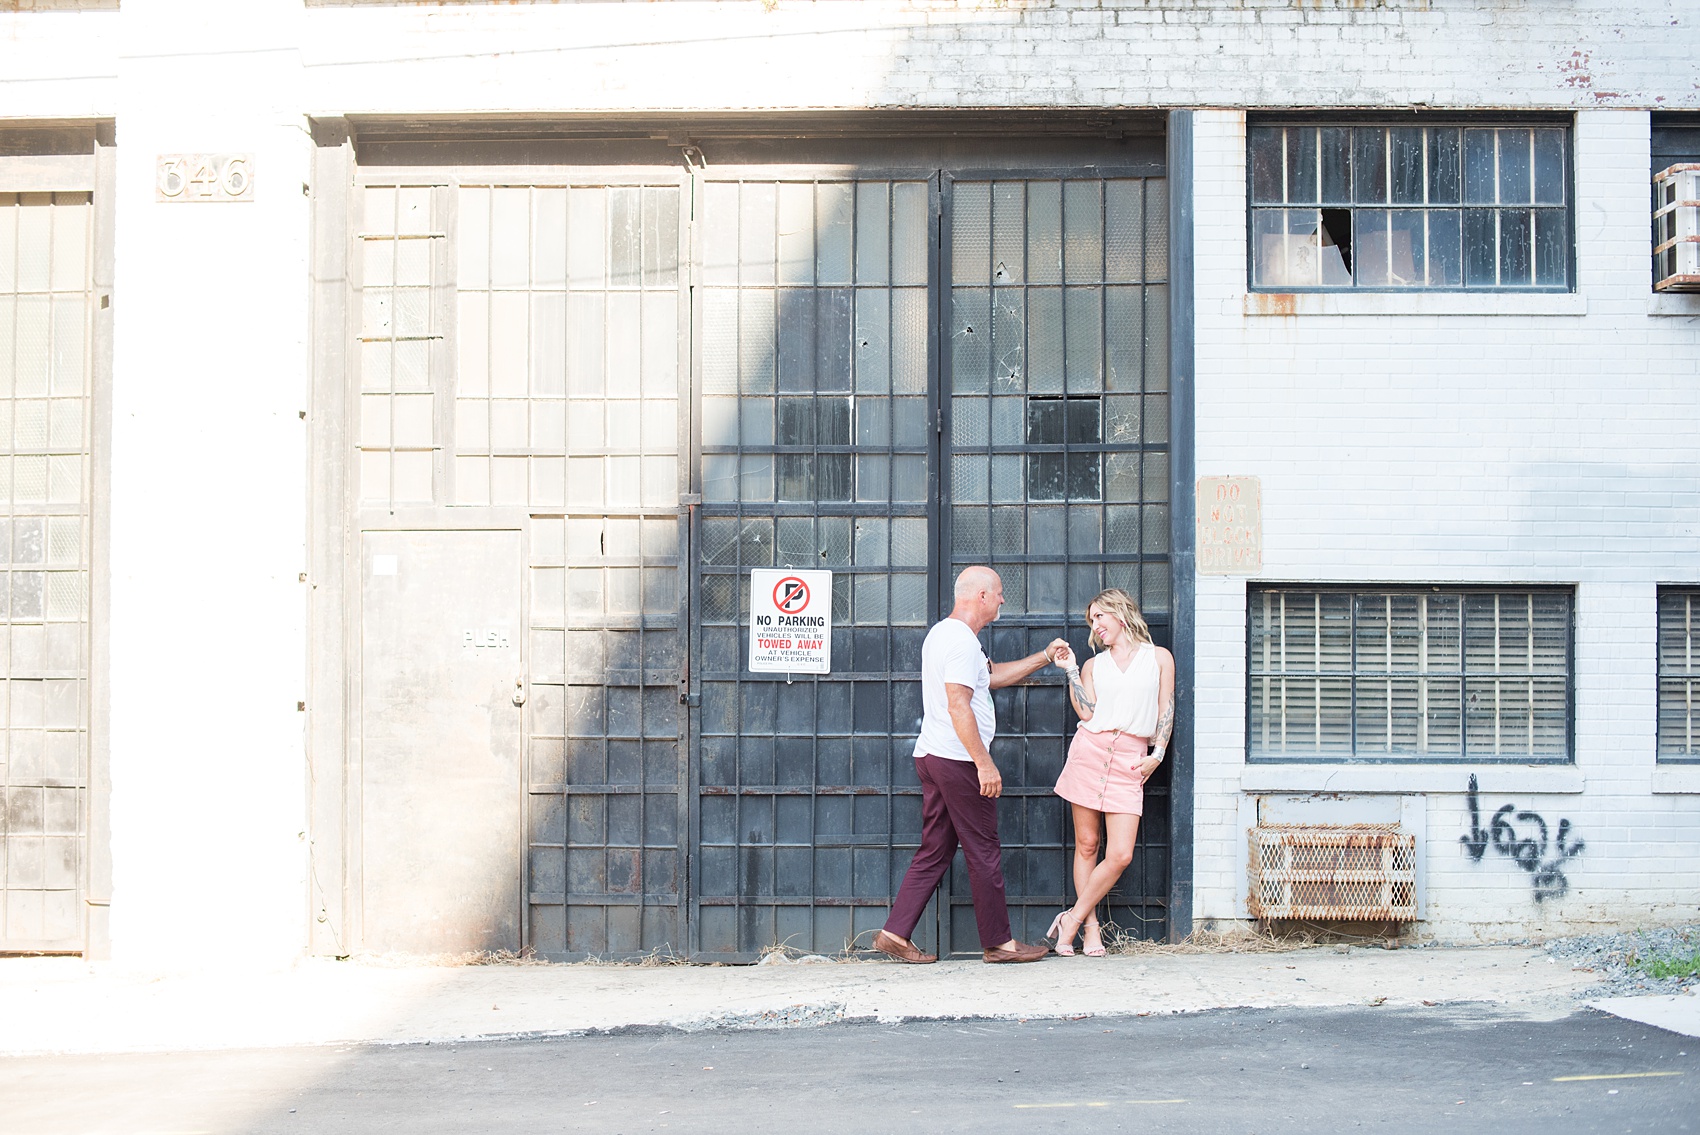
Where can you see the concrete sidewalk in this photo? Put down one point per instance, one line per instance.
(65, 1005)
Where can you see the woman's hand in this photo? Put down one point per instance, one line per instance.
(1148, 766)
(1061, 654)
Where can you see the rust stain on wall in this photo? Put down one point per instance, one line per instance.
(1274, 303)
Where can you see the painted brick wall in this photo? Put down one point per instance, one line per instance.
(1552, 442)
(1129, 53)
(413, 58)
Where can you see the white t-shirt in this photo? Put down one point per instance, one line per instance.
(951, 654)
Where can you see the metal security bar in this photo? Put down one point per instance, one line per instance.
(45, 368)
(1679, 674)
(813, 313)
(1056, 347)
(1432, 674)
(1350, 872)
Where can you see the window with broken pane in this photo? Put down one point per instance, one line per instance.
(1411, 674)
(1056, 368)
(1058, 373)
(1385, 207)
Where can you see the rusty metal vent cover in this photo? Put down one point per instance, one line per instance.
(1364, 872)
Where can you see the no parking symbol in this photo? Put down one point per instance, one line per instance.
(790, 621)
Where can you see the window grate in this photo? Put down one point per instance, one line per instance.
(1398, 675)
(1679, 673)
(1353, 872)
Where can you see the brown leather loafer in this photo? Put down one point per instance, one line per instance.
(892, 946)
(1020, 952)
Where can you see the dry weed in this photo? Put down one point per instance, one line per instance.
(524, 957)
(1244, 938)
(1208, 940)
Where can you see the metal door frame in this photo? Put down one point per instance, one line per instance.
(334, 311)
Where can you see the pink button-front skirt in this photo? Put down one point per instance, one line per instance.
(1102, 772)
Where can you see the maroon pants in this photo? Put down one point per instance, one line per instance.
(953, 812)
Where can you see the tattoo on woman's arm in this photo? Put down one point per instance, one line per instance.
(1078, 689)
(1165, 726)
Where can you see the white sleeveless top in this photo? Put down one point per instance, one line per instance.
(1127, 700)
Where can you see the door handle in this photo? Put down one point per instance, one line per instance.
(519, 691)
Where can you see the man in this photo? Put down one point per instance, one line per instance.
(960, 785)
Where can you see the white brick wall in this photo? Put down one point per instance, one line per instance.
(1472, 449)
(681, 55)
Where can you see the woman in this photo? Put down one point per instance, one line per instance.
(1125, 696)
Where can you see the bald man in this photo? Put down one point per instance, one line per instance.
(960, 785)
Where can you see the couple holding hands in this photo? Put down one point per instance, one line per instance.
(1124, 697)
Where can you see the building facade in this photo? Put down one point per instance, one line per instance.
(498, 344)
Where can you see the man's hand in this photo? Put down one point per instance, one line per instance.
(1060, 653)
(991, 780)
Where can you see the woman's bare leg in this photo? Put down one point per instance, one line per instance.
(1088, 839)
(1121, 832)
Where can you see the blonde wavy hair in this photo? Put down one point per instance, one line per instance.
(1120, 605)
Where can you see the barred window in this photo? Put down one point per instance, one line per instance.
(1679, 673)
(1457, 208)
(1410, 674)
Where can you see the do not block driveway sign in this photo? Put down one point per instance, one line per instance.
(790, 621)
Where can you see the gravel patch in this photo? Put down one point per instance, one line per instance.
(1618, 958)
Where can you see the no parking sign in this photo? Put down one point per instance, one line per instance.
(790, 621)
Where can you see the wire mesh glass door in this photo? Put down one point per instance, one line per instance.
(1055, 346)
(45, 309)
(520, 367)
(813, 311)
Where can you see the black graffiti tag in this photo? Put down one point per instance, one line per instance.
(1528, 851)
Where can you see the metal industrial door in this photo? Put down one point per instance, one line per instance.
(45, 371)
(441, 688)
(663, 378)
(521, 341)
(893, 415)
(1056, 348)
(814, 314)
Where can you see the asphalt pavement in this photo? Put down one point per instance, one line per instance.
(1338, 1036)
(1245, 1070)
